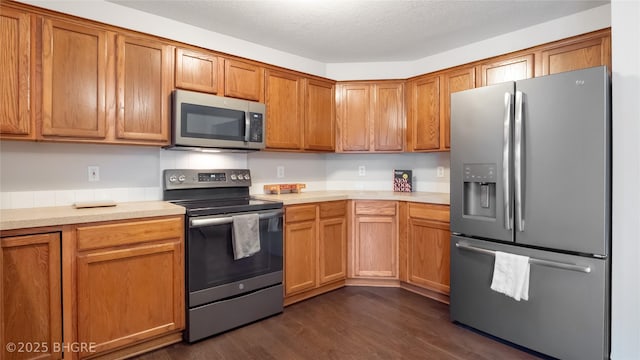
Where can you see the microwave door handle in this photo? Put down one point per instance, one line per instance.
(247, 125)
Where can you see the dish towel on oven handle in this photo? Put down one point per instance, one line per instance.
(511, 275)
(245, 235)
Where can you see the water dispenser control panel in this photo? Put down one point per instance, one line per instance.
(480, 173)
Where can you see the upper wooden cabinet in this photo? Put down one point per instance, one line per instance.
(370, 116)
(429, 108)
(198, 71)
(243, 80)
(144, 83)
(300, 112)
(16, 121)
(578, 52)
(319, 115)
(506, 68)
(31, 297)
(74, 80)
(284, 100)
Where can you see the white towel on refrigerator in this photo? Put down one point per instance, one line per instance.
(511, 275)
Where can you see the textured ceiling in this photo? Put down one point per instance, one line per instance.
(337, 31)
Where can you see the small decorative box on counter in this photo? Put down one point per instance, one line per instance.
(283, 188)
(402, 180)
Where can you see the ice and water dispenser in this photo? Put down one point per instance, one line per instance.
(480, 190)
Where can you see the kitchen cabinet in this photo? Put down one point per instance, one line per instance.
(507, 68)
(284, 101)
(373, 245)
(578, 52)
(74, 87)
(198, 71)
(130, 281)
(144, 84)
(31, 311)
(370, 116)
(243, 80)
(315, 249)
(16, 120)
(319, 115)
(427, 247)
(429, 108)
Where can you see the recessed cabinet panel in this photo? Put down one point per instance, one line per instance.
(355, 117)
(510, 69)
(300, 257)
(284, 110)
(424, 114)
(243, 80)
(575, 55)
(454, 81)
(388, 121)
(319, 118)
(197, 71)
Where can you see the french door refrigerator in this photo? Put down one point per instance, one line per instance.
(530, 175)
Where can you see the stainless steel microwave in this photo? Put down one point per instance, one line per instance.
(203, 120)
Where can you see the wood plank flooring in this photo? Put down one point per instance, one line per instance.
(350, 323)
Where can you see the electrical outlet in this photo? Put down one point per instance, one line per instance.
(94, 173)
(362, 171)
(280, 172)
(440, 171)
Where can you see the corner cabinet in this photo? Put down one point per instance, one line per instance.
(16, 120)
(315, 249)
(144, 82)
(373, 244)
(427, 247)
(31, 296)
(370, 116)
(130, 282)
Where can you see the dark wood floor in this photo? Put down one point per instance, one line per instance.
(350, 323)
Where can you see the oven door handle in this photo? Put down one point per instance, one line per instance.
(195, 223)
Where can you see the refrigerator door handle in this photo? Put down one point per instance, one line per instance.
(506, 160)
(548, 263)
(518, 161)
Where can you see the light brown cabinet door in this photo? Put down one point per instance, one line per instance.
(388, 122)
(300, 258)
(332, 250)
(428, 252)
(243, 80)
(454, 81)
(15, 62)
(424, 114)
(319, 115)
(197, 71)
(144, 84)
(74, 71)
(130, 294)
(284, 102)
(355, 114)
(578, 53)
(31, 311)
(376, 246)
(507, 69)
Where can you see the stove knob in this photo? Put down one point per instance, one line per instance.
(173, 178)
(234, 177)
(181, 178)
(247, 177)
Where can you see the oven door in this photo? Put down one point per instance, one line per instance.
(212, 272)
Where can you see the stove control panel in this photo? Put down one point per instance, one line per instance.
(214, 178)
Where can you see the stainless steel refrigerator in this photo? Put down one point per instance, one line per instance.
(531, 175)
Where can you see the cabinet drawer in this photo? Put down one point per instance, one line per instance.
(333, 209)
(429, 212)
(375, 207)
(300, 213)
(129, 232)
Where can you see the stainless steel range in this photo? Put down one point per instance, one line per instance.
(224, 291)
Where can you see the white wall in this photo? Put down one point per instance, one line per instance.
(625, 326)
(309, 169)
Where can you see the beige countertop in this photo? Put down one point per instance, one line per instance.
(62, 215)
(318, 196)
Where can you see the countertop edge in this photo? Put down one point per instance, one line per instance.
(321, 196)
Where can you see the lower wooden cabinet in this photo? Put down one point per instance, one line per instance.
(374, 241)
(31, 311)
(315, 249)
(427, 247)
(130, 282)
